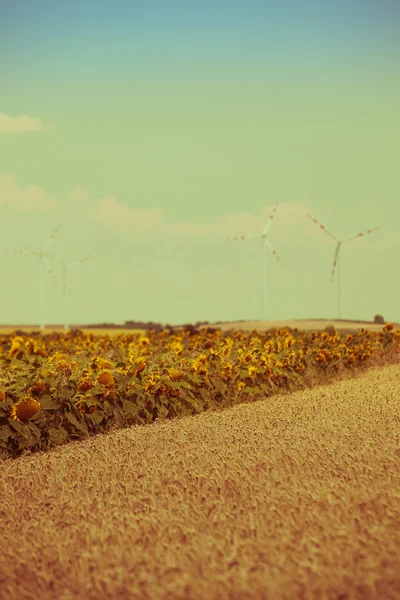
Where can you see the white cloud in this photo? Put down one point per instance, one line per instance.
(290, 220)
(79, 195)
(114, 214)
(31, 199)
(23, 124)
(117, 215)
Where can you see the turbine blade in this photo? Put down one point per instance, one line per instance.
(19, 252)
(245, 237)
(268, 243)
(51, 238)
(322, 227)
(28, 253)
(42, 254)
(49, 269)
(362, 234)
(335, 260)
(270, 219)
(78, 262)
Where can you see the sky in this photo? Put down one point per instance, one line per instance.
(152, 131)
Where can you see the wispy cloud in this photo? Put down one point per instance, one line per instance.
(23, 124)
(30, 199)
(118, 216)
(79, 195)
(290, 219)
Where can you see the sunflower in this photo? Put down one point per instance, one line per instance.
(25, 409)
(106, 378)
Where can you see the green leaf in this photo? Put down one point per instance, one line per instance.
(117, 414)
(184, 384)
(252, 390)
(34, 434)
(66, 393)
(130, 408)
(74, 421)
(47, 402)
(18, 426)
(120, 365)
(5, 432)
(96, 418)
(57, 436)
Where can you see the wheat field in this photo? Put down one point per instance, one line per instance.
(293, 497)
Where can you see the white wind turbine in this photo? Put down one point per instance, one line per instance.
(43, 256)
(336, 255)
(64, 269)
(266, 244)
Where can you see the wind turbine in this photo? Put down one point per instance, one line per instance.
(266, 244)
(43, 256)
(336, 255)
(64, 269)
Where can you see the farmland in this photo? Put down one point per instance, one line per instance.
(47, 330)
(217, 463)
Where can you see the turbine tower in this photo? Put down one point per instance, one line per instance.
(64, 269)
(43, 256)
(266, 244)
(336, 254)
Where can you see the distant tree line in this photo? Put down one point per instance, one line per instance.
(149, 325)
(189, 327)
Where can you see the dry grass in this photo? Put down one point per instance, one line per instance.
(112, 332)
(294, 497)
(303, 324)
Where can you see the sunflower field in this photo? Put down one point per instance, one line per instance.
(58, 388)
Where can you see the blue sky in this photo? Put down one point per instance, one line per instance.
(155, 130)
(42, 37)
